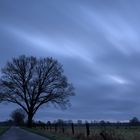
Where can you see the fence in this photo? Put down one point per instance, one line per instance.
(104, 131)
(70, 128)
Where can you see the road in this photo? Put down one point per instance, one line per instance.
(16, 133)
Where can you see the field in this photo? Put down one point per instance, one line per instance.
(3, 129)
(51, 135)
(96, 133)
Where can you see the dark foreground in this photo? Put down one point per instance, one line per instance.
(16, 133)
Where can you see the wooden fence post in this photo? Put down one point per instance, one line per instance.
(50, 126)
(87, 129)
(55, 127)
(63, 130)
(72, 127)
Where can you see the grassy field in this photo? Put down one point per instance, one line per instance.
(50, 135)
(3, 129)
(118, 133)
(111, 133)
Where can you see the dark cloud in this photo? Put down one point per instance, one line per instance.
(96, 41)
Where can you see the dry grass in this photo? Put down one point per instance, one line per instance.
(3, 129)
(111, 133)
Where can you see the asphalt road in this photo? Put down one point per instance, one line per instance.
(16, 133)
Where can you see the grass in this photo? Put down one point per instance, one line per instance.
(3, 129)
(112, 133)
(50, 135)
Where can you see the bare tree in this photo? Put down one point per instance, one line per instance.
(134, 121)
(31, 83)
(18, 116)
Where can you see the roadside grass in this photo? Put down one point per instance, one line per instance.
(50, 135)
(111, 133)
(3, 129)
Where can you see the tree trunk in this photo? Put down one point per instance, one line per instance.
(30, 120)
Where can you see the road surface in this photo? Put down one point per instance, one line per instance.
(16, 133)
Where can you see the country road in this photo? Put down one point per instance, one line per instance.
(16, 133)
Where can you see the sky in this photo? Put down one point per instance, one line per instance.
(96, 41)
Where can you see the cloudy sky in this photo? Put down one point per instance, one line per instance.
(97, 41)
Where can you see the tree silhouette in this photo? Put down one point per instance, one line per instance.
(134, 121)
(31, 83)
(18, 116)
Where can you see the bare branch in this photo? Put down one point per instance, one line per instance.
(31, 82)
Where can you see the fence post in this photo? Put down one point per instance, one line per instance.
(50, 126)
(87, 129)
(55, 127)
(47, 127)
(72, 127)
(63, 127)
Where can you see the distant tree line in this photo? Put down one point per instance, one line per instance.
(132, 122)
(18, 116)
